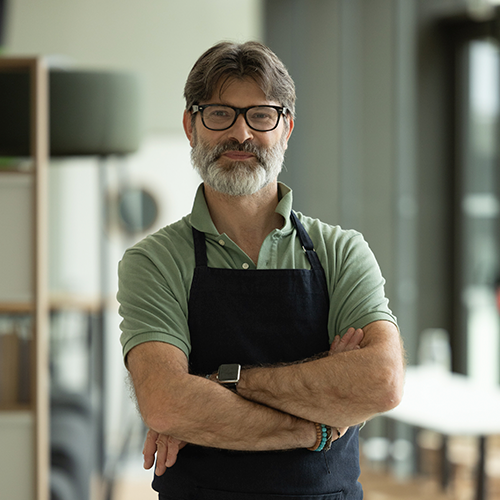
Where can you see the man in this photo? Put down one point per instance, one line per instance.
(257, 339)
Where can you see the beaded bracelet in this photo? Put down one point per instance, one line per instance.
(321, 437)
(324, 438)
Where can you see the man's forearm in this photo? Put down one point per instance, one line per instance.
(222, 419)
(199, 411)
(340, 390)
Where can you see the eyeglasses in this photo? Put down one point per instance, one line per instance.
(221, 117)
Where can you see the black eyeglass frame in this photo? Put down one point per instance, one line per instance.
(282, 110)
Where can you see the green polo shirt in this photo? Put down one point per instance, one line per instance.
(155, 275)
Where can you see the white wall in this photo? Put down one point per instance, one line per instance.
(161, 39)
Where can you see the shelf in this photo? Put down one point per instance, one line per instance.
(87, 303)
(16, 165)
(7, 171)
(15, 408)
(24, 427)
(56, 302)
(17, 308)
(16, 416)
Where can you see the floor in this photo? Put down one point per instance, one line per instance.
(462, 458)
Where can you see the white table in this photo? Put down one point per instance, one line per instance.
(452, 405)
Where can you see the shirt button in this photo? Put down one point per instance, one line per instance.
(245, 266)
(222, 242)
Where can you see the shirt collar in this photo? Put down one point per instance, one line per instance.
(200, 215)
(285, 206)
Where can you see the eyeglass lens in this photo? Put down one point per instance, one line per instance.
(259, 117)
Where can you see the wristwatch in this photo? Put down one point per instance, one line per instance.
(229, 376)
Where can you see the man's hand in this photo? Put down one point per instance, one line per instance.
(166, 449)
(349, 342)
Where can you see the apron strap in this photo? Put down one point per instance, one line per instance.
(200, 248)
(306, 242)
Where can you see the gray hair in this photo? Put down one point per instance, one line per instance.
(227, 60)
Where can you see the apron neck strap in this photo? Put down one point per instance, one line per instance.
(200, 248)
(306, 242)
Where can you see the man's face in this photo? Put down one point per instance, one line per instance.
(238, 161)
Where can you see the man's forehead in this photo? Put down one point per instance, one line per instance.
(229, 86)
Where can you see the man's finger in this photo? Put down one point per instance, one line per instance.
(355, 339)
(174, 445)
(338, 344)
(149, 449)
(342, 431)
(161, 454)
(335, 343)
(351, 340)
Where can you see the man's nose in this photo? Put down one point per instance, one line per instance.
(240, 131)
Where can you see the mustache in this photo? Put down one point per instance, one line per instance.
(231, 145)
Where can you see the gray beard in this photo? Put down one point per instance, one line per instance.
(237, 178)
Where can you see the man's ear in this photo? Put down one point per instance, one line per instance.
(187, 123)
(290, 129)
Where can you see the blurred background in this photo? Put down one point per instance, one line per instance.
(396, 136)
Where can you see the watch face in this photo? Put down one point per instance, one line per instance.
(229, 374)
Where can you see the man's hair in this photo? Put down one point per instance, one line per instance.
(227, 60)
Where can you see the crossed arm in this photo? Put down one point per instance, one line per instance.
(275, 406)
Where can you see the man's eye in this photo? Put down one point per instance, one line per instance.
(260, 116)
(263, 114)
(218, 113)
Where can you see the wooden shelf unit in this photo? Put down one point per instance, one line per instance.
(24, 428)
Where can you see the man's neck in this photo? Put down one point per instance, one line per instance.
(247, 220)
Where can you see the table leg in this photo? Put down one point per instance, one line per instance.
(445, 464)
(481, 493)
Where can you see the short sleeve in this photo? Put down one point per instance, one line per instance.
(357, 291)
(153, 305)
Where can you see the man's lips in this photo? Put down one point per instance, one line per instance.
(238, 155)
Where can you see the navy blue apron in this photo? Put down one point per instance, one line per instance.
(255, 317)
